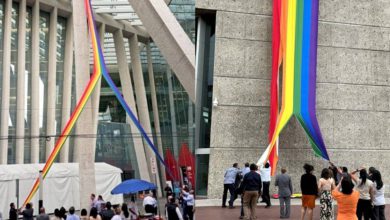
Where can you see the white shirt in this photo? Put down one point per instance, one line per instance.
(189, 198)
(148, 200)
(364, 190)
(230, 175)
(379, 195)
(245, 170)
(116, 217)
(265, 174)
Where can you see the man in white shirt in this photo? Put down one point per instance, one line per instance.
(265, 173)
(228, 184)
(245, 170)
(71, 215)
(188, 197)
(150, 204)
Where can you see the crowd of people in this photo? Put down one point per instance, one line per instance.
(359, 194)
(180, 207)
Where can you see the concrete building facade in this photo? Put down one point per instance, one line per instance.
(353, 88)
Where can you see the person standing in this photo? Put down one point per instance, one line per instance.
(93, 201)
(42, 214)
(172, 211)
(379, 196)
(309, 190)
(285, 189)
(188, 198)
(229, 184)
(117, 210)
(265, 173)
(347, 199)
(83, 214)
(107, 213)
(71, 215)
(251, 186)
(150, 204)
(13, 212)
(325, 186)
(28, 213)
(366, 190)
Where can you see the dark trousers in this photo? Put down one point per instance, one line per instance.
(188, 212)
(378, 213)
(150, 209)
(242, 206)
(265, 196)
(231, 189)
(364, 208)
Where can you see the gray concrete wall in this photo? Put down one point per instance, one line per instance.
(353, 88)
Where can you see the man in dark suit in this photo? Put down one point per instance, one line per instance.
(283, 182)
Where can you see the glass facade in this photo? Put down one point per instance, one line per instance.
(27, 101)
(44, 22)
(13, 82)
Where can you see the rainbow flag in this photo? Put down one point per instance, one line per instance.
(99, 69)
(294, 44)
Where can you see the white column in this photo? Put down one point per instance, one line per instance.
(140, 93)
(96, 93)
(51, 84)
(127, 90)
(83, 150)
(173, 115)
(67, 89)
(21, 97)
(5, 82)
(156, 118)
(35, 84)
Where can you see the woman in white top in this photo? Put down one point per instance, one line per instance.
(325, 186)
(366, 190)
(379, 196)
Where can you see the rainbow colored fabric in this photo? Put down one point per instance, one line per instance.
(294, 44)
(99, 69)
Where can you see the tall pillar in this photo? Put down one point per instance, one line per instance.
(83, 150)
(5, 82)
(127, 90)
(95, 98)
(140, 93)
(156, 118)
(21, 97)
(35, 99)
(67, 88)
(51, 84)
(173, 115)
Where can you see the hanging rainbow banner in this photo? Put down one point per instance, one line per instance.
(294, 43)
(99, 69)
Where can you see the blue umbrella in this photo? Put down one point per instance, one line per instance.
(133, 186)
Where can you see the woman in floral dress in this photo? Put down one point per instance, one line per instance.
(325, 186)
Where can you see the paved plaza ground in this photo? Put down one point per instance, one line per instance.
(218, 213)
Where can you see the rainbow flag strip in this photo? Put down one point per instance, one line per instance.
(295, 27)
(99, 69)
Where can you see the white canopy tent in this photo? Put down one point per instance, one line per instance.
(61, 185)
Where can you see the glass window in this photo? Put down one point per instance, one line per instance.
(61, 35)
(27, 101)
(44, 24)
(13, 83)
